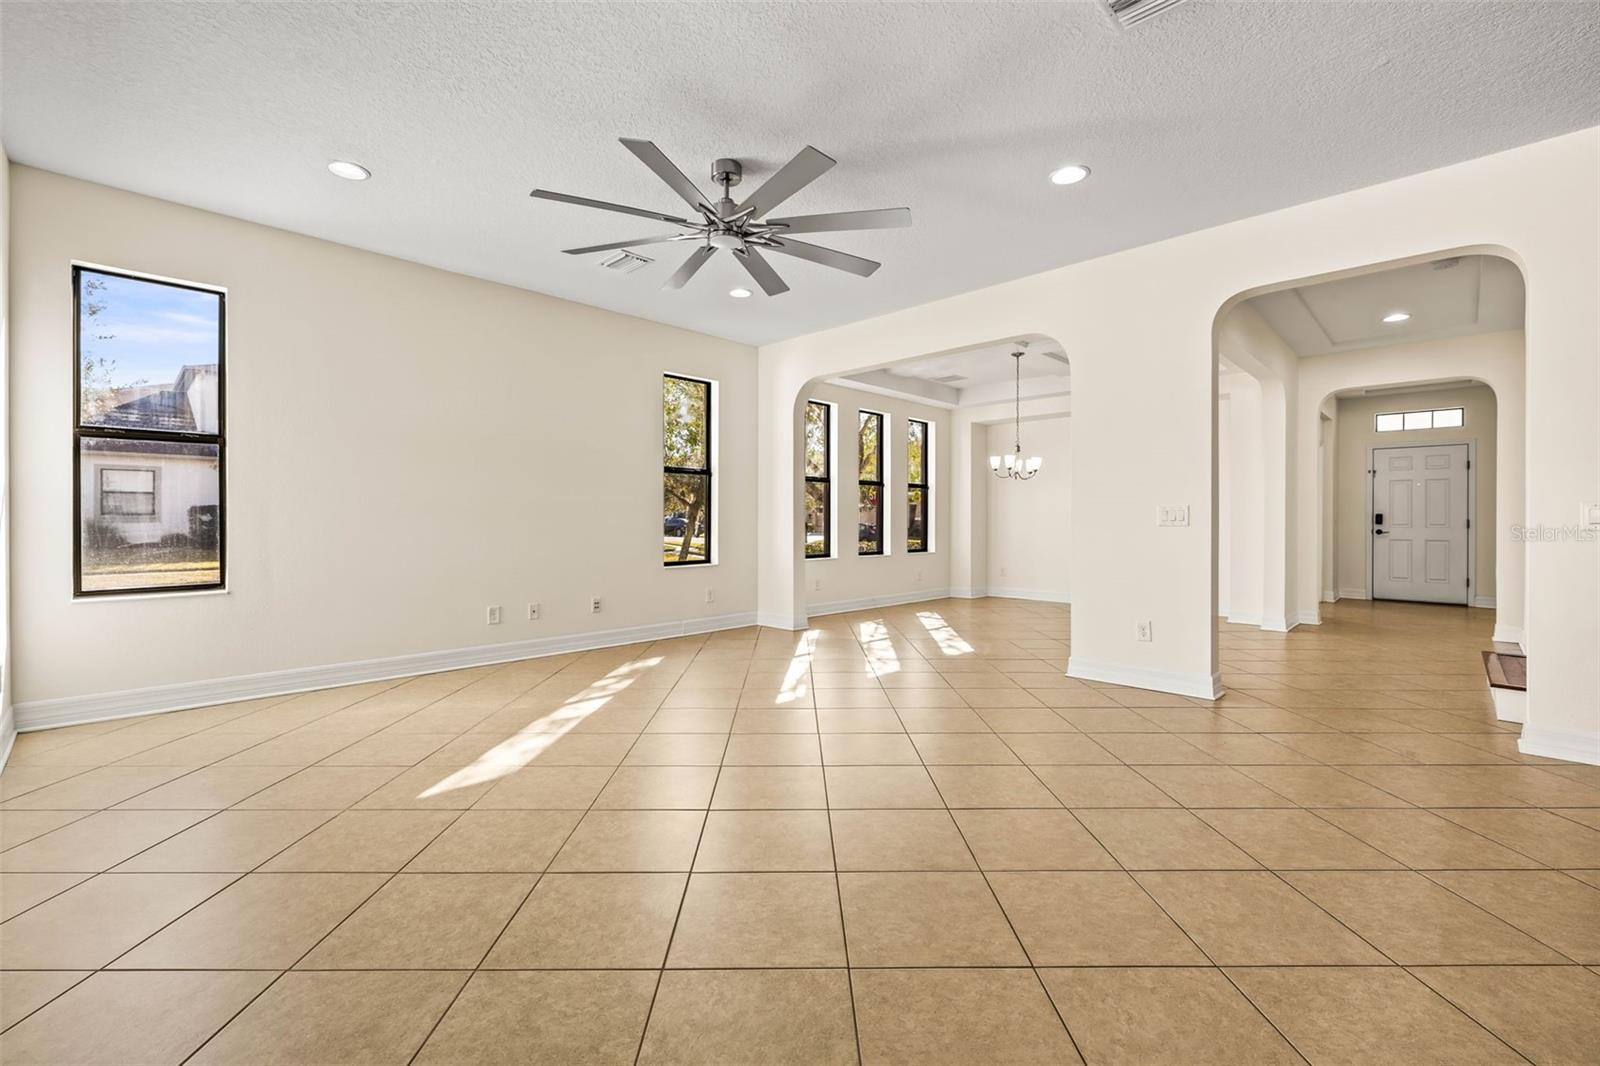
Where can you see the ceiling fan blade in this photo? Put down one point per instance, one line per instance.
(696, 260)
(657, 160)
(756, 265)
(825, 256)
(614, 245)
(839, 221)
(796, 174)
(584, 201)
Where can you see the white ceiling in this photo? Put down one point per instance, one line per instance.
(1206, 113)
(1447, 298)
(970, 376)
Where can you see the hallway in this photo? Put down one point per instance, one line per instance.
(900, 836)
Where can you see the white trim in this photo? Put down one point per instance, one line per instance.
(1353, 594)
(1245, 618)
(1042, 595)
(1505, 633)
(866, 603)
(1280, 624)
(1510, 704)
(98, 707)
(1330, 595)
(1483, 601)
(1560, 744)
(1472, 508)
(8, 732)
(1310, 616)
(1205, 686)
(969, 594)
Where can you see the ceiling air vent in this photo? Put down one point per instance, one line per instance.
(625, 262)
(949, 379)
(1129, 12)
(1446, 264)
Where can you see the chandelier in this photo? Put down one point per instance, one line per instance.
(1013, 465)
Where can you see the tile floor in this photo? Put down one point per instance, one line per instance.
(902, 837)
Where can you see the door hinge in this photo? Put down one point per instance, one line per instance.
(1469, 523)
(1469, 464)
(1469, 582)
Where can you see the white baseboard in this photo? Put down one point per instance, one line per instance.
(1245, 618)
(102, 706)
(1206, 686)
(8, 731)
(1483, 601)
(1311, 616)
(1042, 595)
(1353, 594)
(1509, 634)
(1510, 704)
(1330, 595)
(866, 603)
(975, 593)
(1278, 624)
(775, 620)
(1560, 744)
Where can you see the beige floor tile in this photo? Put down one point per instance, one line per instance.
(1163, 840)
(1351, 1014)
(1101, 786)
(899, 840)
(869, 749)
(19, 827)
(1246, 749)
(229, 841)
(1551, 1014)
(868, 719)
(957, 1018)
(300, 748)
(658, 788)
(1152, 749)
(437, 787)
(991, 786)
(1020, 839)
(1091, 919)
(24, 991)
(1425, 841)
(963, 749)
(677, 749)
(87, 926)
(212, 788)
(1321, 786)
(1212, 786)
(758, 718)
(19, 892)
(1415, 922)
(1094, 714)
(749, 841)
(389, 749)
(770, 787)
(925, 919)
(1295, 840)
(725, 697)
(336, 1016)
(1554, 909)
(880, 786)
(799, 1017)
(851, 699)
(494, 841)
(320, 788)
(585, 749)
(260, 922)
(1532, 784)
(544, 1019)
(90, 790)
(592, 921)
(674, 719)
(1057, 748)
(423, 922)
(1433, 786)
(357, 841)
(133, 1017)
(758, 919)
(1548, 838)
(1170, 1015)
(921, 719)
(545, 788)
(773, 749)
(97, 842)
(904, 699)
(1020, 720)
(622, 841)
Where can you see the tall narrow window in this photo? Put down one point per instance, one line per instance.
(819, 474)
(919, 496)
(685, 470)
(869, 520)
(147, 435)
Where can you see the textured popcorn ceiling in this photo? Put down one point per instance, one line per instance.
(1210, 112)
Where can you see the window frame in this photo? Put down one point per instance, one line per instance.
(80, 432)
(708, 472)
(154, 514)
(864, 482)
(926, 485)
(1431, 412)
(825, 480)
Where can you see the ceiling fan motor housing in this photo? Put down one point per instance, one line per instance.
(727, 172)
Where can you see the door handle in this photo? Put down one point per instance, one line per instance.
(1380, 532)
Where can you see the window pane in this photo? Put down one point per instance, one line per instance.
(1449, 418)
(1390, 423)
(870, 442)
(869, 521)
(149, 514)
(147, 354)
(1419, 419)
(816, 518)
(916, 441)
(684, 405)
(816, 439)
(685, 516)
(916, 520)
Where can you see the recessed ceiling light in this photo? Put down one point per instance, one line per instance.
(1070, 174)
(739, 294)
(342, 168)
(1395, 316)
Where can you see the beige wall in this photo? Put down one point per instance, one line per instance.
(7, 721)
(848, 580)
(405, 447)
(1027, 558)
(1357, 436)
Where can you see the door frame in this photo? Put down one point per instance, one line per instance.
(1472, 511)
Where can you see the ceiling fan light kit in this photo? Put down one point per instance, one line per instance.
(1012, 465)
(742, 229)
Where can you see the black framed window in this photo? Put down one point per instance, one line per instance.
(819, 477)
(685, 470)
(147, 435)
(869, 517)
(919, 494)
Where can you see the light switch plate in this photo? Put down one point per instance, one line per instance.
(1172, 515)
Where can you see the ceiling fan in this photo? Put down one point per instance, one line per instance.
(743, 228)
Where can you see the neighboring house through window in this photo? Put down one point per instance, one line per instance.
(919, 494)
(686, 409)
(869, 521)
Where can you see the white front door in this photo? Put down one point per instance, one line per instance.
(1419, 524)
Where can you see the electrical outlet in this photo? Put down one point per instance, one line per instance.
(919, 576)
(1143, 631)
(492, 615)
(594, 605)
(816, 585)
(711, 595)
(1002, 571)
(533, 612)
